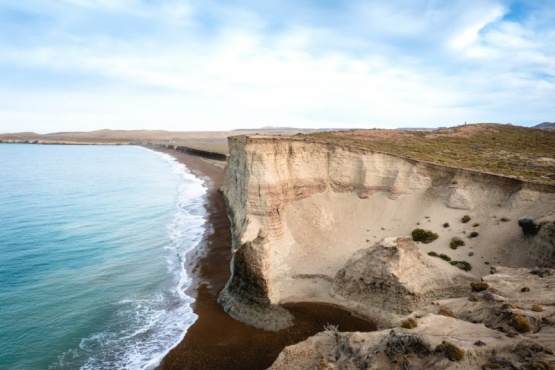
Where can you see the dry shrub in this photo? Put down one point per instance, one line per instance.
(446, 312)
(537, 308)
(478, 286)
(409, 324)
(451, 351)
(521, 324)
(404, 344)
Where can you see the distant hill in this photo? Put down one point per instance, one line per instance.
(416, 129)
(546, 126)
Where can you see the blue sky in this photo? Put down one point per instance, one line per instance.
(80, 65)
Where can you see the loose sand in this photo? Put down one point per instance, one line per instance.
(215, 340)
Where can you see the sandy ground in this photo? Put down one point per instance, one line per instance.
(342, 224)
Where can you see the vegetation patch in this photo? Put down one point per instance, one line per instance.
(424, 236)
(537, 308)
(465, 219)
(502, 149)
(445, 257)
(463, 265)
(409, 324)
(505, 219)
(476, 224)
(479, 286)
(473, 234)
(456, 242)
(433, 254)
(446, 312)
(451, 351)
(404, 344)
(520, 323)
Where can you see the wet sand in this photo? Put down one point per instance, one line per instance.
(215, 340)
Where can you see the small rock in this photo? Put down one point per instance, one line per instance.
(525, 289)
(470, 254)
(488, 297)
(479, 343)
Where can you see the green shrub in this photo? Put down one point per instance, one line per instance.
(446, 224)
(424, 236)
(456, 242)
(505, 219)
(463, 265)
(445, 257)
(465, 219)
(409, 324)
(433, 254)
(475, 224)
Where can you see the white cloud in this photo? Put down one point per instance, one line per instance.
(378, 65)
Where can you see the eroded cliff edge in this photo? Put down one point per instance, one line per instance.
(301, 209)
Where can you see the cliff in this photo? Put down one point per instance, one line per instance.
(300, 209)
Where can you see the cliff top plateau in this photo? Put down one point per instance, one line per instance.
(502, 149)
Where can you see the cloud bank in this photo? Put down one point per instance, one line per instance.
(220, 65)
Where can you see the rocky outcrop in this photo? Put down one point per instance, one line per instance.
(438, 342)
(316, 204)
(246, 298)
(395, 276)
(510, 324)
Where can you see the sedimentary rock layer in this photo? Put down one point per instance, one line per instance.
(300, 210)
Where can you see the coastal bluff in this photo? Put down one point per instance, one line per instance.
(300, 209)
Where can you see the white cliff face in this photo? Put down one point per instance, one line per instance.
(301, 209)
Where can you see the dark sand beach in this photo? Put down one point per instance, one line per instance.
(215, 340)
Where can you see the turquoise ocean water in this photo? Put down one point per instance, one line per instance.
(92, 244)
